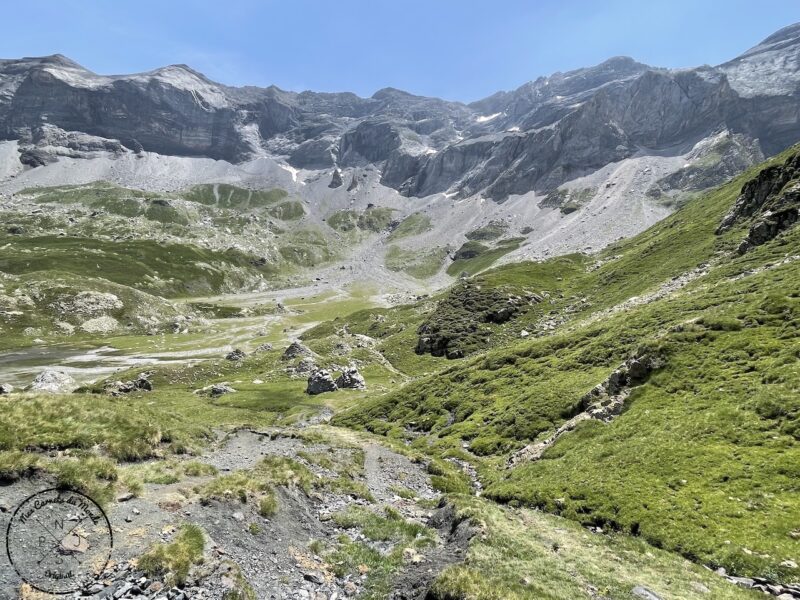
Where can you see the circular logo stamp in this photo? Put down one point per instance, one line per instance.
(59, 541)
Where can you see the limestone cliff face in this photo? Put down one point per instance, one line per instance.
(533, 138)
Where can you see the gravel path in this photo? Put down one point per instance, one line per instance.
(274, 554)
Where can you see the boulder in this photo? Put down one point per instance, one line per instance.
(264, 348)
(220, 389)
(336, 179)
(352, 379)
(295, 350)
(6, 388)
(216, 390)
(320, 382)
(53, 382)
(235, 355)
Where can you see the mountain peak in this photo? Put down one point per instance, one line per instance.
(790, 32)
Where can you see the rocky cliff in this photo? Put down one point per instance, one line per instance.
(534, 138)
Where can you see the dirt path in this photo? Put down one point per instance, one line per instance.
(276, 555)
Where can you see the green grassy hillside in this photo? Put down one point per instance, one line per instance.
(704, 458)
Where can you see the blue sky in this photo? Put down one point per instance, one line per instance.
(455, 49)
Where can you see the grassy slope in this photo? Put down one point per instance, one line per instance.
(413, 224)
(525, 554)
(704, 460)
(484, 259)
(421, 264)
(170, 269)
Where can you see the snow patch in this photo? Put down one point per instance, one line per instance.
(292, 171)
(487, 118)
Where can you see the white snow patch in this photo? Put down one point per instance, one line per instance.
(293, 172)
(486, 118)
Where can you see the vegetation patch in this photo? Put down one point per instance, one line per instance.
(291, 210)
(491, 231)
(375, 219)
(343, 220)
(306, 248)
(528, 554)
(721, 408)
(568, 200)
(474, 257)
(421, 264)
(227, 196)
(456, 327)
(350, 557)
(169, 269)
(173, 561)
(413, 224)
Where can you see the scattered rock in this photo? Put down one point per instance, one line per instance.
(53, 382)
(104, 324)
(643, 592)
(699, 587)
(235, 355)
(306, 365)
(320, 382)
(87, 304)
(314, 577)
(350, 588)
(119, 388)
(264, 348)
(295, 350)
(352, 379)
(216, 390)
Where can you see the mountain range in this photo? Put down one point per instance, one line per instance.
(535, 138)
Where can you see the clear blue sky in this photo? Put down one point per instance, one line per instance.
(455, 49)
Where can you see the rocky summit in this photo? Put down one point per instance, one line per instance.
(316, 346)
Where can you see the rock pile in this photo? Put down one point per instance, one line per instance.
(120, 388)
(352, 379)
(295, 350)
(215, 390)
(53, 382)
(235, 355)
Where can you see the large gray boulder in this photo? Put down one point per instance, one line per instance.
(320, 382)
(351, 379)
(53, 382)
(6, 388)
